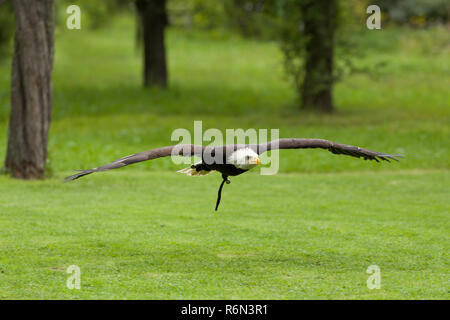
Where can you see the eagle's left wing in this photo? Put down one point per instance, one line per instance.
(336, 148)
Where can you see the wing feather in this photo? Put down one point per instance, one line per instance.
(333, 147)
(186, 150)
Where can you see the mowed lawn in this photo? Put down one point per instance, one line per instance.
(295, 236)
(146, 232)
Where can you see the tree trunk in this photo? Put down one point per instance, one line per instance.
(320, 25)
(153, 19)
(31, 89)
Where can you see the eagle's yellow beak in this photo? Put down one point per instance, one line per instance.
(256, 161)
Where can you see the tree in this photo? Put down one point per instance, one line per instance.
(153, 20)
(319, 18)
(31, 88)
(306, 31)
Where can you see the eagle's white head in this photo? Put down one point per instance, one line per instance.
(244, 159)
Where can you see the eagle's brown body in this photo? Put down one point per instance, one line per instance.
(226, 169)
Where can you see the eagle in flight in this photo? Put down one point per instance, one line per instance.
(234, 159)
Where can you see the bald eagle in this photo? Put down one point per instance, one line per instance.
(234, 159)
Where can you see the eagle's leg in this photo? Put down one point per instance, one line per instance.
(219, 194)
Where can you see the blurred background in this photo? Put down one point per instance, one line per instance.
(312, 69)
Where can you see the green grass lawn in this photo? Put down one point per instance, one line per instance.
(156, 236)
(309, 232)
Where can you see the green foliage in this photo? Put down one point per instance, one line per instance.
(247, 18)
(6, 28)
(292, 40)
(253, 18)
(348, 48)
(196, 13)
(416, 12)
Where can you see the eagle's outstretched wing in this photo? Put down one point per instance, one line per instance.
(186, 150)
(333, 147)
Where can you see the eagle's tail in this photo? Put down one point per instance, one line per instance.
(195, 170)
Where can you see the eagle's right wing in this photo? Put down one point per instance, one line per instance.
(186, 150)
